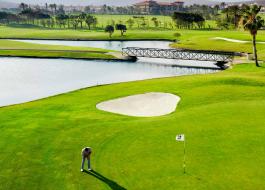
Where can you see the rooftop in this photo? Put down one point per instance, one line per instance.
(150, 2)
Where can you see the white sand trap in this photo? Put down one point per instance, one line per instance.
(236, 41)
(142, 105)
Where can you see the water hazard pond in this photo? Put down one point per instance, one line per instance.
(27, 79)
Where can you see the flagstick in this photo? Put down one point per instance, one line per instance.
(184, 158)
(183, 139)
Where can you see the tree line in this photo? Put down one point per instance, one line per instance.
(38, 17)
(231, 17)
(188, 20)
(244, 16)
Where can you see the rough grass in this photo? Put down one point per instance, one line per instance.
(222, 116)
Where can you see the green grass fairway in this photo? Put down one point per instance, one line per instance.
(39, 33)
(204, 40)
(164, 21)
(108, 19)
(192, 39)
(222, 115)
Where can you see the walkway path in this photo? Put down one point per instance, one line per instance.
(235, 40)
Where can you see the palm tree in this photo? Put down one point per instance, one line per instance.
(226, 12)
(222, 5)
(53, 8)
(89, 20)
(252, 22)
(82, 17)
(23, 6)
(236, 12)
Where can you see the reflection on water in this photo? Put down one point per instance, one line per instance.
(112, 45)
(23, 80)
(175, 62)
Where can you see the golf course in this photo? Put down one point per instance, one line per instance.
(66, 85)
(222, 116)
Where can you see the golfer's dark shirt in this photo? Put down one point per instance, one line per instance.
(86, 153)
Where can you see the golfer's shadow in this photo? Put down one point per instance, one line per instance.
(112, 184)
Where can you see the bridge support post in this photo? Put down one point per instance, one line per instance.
(222, 64)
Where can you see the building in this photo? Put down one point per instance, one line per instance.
(71, 9)
(154, 7)
(147, 7)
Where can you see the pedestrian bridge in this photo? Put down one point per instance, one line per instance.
(182, 54)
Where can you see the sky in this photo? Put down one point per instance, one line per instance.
(95, 2)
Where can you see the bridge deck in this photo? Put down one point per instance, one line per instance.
(184, 54)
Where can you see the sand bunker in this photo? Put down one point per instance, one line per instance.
(142, 105)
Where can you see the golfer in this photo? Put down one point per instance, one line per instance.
(86, 152)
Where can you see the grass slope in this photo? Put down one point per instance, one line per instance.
(221, 114)
(23, 49)
(204, 40)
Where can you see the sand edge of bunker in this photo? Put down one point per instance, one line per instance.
(151, 104)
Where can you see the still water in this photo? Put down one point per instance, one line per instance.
(112, 45)
(24, 79)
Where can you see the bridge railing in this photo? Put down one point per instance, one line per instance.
(184, 54)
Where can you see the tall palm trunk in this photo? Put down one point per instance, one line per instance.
(255, 50)
(235, 20)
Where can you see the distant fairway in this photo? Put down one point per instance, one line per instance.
(107, 19)
(222, 116)
(163, 21)
(191, 39)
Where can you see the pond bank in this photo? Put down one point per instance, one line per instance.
(65, 54)
(92, 40)
(89, 50)
(13, 48)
